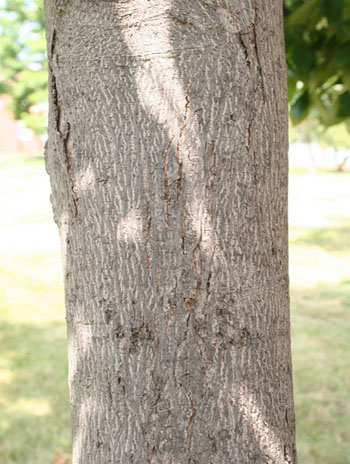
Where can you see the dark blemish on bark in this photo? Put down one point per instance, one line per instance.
(217, 339)
(118, 332)
(151, 454)
(244, 334)
(109, 392)
(213, 444)
(190, 304)
(139, 335)
(109, 315)
(181, 19)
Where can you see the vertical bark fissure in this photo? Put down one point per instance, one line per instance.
(256, 51)
(55, 105)
(63, 128)
(190, 425)
(166, 180)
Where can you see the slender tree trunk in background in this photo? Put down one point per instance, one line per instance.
(167, 155)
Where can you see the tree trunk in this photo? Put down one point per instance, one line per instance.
(167, 154)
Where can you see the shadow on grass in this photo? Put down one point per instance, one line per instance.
(35, 418)
(329, 238)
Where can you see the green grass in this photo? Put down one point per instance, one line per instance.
(320, 297)
(34, 419)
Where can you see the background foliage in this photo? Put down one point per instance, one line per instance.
(317, 36)
(23, 64)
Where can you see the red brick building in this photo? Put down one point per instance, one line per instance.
(14, 136)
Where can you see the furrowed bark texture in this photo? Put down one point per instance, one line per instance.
(167, 155)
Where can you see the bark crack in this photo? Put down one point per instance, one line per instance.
(247, 41)
(256, 52)
(189, 430)
(178, 157)
(166, 179)
(55, 103)
(245, 46)
(248, 133)
(148, 235)
(53, 43)
(68, 159)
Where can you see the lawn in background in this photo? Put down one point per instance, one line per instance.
(34, 419)
(34, 414)
(320, 304)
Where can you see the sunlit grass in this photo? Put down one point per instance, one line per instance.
(320, 291)
(34, 419)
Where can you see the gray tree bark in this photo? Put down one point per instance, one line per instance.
(167, 155)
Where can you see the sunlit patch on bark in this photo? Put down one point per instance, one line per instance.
(259, 426)
(130, 227)
(163, 96)
(63, 231)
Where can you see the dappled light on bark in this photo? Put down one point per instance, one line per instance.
(164, 98)
(175, 240)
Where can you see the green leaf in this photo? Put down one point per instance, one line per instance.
(292, 87)
(342, 58)
(309, 10)
(333, 10)
(343, 105)
(320, 74)
(300, 108)
(302, 56)
(346, 77)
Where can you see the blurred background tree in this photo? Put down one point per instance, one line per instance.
(23, 65)
(338, 138)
